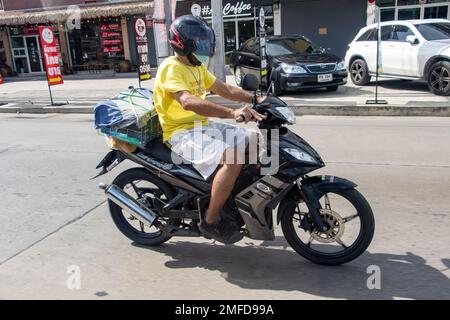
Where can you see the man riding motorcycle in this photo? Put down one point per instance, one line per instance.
(216, 148)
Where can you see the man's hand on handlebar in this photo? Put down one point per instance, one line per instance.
(247, 114)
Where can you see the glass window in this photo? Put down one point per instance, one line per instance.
(21, 65)
(434, 31)
(17, 42)
(367, 36)
(409, 14)
(386, 3)
(400, 33)
(437, 1)
(387, 14)
(246, 30)
(250, 46)
(386, 33)
(281, 47)
(436, 12)
(407, 2)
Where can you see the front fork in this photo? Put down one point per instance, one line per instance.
(314, 206)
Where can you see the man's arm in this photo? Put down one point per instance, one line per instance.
(209, 109)
(233, 93)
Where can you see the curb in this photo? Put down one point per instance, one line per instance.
(45, 110)
(299, 110)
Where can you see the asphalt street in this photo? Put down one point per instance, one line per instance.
(53, 218)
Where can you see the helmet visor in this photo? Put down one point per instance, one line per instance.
(205, 40)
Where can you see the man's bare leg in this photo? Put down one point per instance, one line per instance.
(223, 185)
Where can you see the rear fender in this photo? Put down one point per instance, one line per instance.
(109, 162)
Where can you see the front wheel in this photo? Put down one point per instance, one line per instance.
(351, 229)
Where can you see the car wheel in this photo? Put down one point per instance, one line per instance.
(238, 75)
(439, 78)
(359, 72)
(332, 89)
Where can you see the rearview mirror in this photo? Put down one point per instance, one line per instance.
(412, 39)
(250, 82)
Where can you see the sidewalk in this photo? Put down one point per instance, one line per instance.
(80, 93)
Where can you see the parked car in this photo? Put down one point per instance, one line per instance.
(412, 50)
(298, 63)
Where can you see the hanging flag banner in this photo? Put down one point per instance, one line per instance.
(379, 55)
(51, 55)
(262, 44)
(142, 49)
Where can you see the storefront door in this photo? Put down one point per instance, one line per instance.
(27, 54)
(34, 54)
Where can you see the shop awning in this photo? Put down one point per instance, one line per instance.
(86, 12)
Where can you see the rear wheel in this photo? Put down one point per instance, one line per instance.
(144, 187)
(359, 72)
(351, 229)
(439, 78)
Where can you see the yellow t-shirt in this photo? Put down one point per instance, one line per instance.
(174, 76)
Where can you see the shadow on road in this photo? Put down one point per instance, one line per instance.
(347, 91)
(402, 85)
(269, 268)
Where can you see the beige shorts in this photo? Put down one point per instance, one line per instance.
(204, 146)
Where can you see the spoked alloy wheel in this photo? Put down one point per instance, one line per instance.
(359, 72)
(351, 228)
(439, 78)
(145, 188)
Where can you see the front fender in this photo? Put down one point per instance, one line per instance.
(312, 189)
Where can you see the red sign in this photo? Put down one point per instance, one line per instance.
(1, 79)
(109, 27)
(51, 55)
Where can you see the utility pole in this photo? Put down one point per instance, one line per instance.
(219, 57)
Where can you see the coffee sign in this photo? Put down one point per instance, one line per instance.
(230, 9)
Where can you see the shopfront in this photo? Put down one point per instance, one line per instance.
(26, 49)
(98, 43)
(240, 19)
(414, 9)
(101, 42)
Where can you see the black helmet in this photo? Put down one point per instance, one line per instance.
(190, 36)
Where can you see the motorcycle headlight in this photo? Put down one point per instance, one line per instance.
(340, 65)
(287, 114)
(300, 155)
(292, 68)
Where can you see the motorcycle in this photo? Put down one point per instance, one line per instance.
(163, 199)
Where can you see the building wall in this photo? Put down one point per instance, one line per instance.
(328, 23)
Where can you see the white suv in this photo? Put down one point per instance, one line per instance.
(412, 49)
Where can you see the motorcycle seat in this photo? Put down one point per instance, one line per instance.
(157, 149)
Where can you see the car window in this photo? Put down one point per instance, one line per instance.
(289, 46)
(400, 33)
(386, 33)
(369, 35)
(434, 31)
(251, 46)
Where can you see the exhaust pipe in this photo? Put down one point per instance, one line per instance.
(130, 205)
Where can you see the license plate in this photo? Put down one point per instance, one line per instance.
(325, 77)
